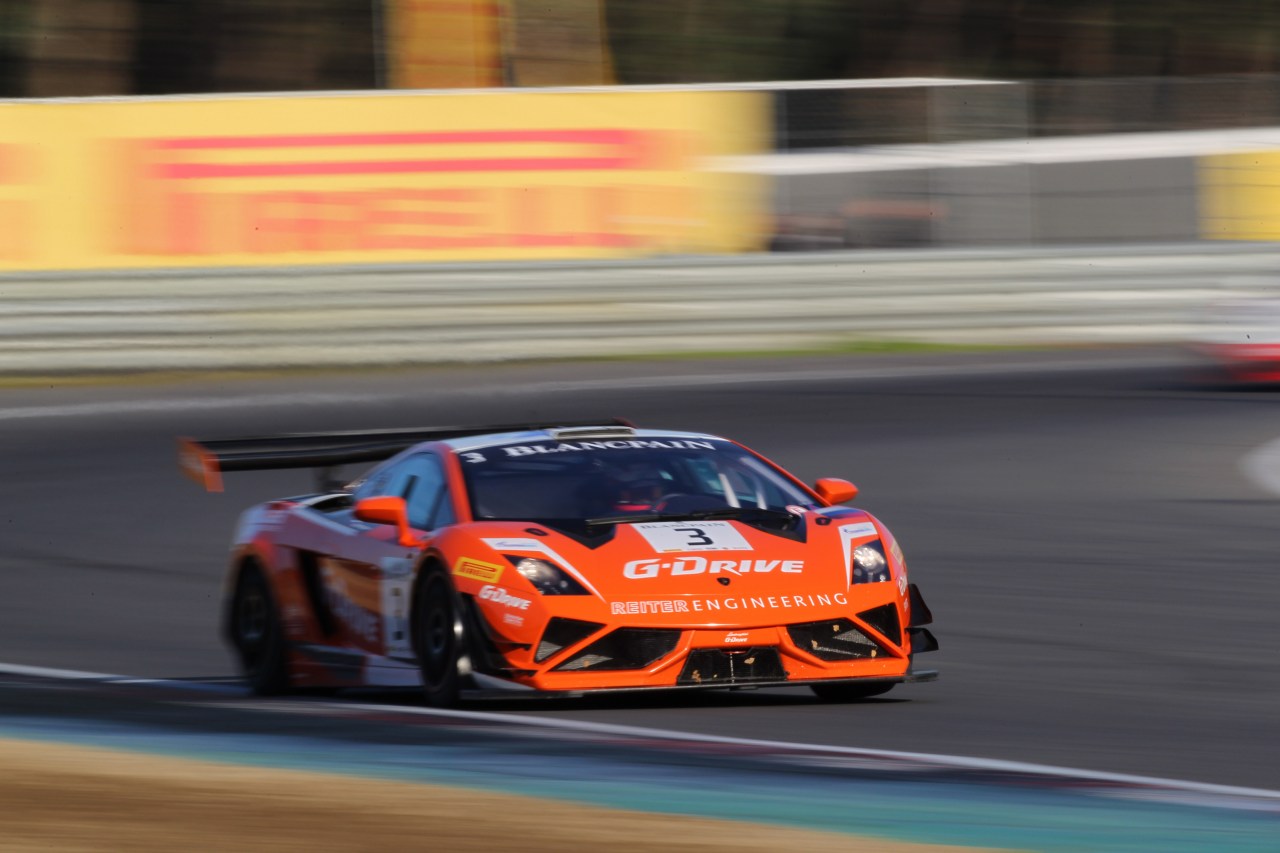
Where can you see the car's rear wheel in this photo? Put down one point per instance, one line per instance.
(851, 691)
(439, 639)
(257, 634)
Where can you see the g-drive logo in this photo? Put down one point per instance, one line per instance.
(652, 568)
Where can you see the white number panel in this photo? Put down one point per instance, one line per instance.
(667, 537)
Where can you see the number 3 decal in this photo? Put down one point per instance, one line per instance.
(670, 537)
(696, 536)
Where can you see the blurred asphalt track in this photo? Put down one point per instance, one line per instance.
(1101, 571)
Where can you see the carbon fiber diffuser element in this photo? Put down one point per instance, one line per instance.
(732, 666)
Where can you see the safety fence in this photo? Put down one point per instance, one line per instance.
(264, 318)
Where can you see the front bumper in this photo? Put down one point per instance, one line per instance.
(876, 643)
(513, 690)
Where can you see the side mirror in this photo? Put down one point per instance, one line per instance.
(833, 490)
(387, 510)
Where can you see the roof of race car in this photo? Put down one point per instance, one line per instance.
(205, 460)
(475, 442)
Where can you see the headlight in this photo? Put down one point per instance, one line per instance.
(869, 563)
(547, 578)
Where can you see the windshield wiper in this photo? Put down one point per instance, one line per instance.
(742, 512)
(629, 519)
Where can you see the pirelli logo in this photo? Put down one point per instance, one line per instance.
(380, 177)
(477, 570)
(571, 150)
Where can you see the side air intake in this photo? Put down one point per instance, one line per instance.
(834, 639)
(561, 634)
(626, 648)
(885, 620)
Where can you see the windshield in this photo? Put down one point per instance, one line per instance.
(617, 479)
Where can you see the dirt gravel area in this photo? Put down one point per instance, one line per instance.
(69, 798)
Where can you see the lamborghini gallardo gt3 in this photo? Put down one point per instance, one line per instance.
(560, 559)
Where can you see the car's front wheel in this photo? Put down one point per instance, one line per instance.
(439, 639)
(257, 635)
(851, 691)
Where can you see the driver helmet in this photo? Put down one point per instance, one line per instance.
(638, 488)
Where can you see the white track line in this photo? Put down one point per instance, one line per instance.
(952, 761)
(181, 404)
(106, 677)
(46, 672)
(959, 762)
(246, 401)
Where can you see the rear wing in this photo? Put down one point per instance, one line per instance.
(206, 460)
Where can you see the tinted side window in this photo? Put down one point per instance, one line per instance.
(420, 481)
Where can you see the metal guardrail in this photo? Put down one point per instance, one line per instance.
(251, 319)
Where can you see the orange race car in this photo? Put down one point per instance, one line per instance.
(564, 558)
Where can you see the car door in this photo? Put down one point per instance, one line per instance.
(368, 577)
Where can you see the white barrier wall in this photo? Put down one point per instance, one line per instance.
(423, 315)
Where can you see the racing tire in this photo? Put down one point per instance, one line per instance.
(439, 639)
(257, 634)
(851, 691)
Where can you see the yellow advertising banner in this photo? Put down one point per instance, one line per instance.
(31, 190)
(1240, 196)
(376, 178)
